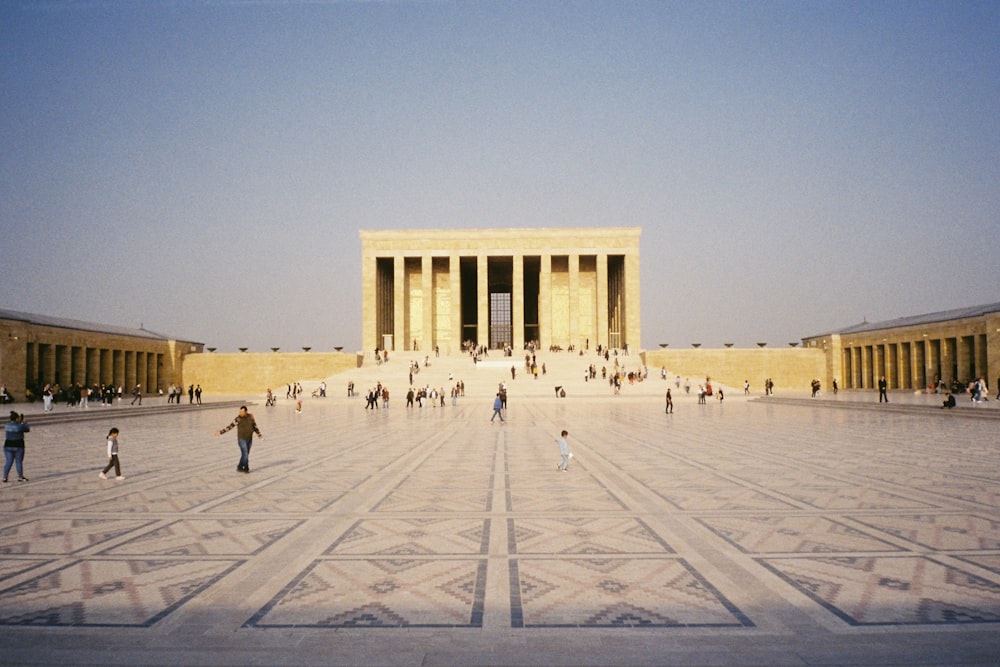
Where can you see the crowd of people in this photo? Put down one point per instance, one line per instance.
(78, 395)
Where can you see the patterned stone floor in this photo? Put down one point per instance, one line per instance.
(749, 534)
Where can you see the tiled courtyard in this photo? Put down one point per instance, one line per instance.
(749, 532)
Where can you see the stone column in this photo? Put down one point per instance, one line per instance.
(901, 365)
(78, 355)
(602, 300)
(427, 315)
(517, 303)
(107, 367)
(64, 363)
(876, 368)
(632, 316)
(574, 300)
(483, 300)
(369, 305)
(400, 332)
(890, 367)
(545, 301)
(933, 362)
(47, 364)
(455, 287)
(140, 371)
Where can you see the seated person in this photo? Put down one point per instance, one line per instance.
(949, 401)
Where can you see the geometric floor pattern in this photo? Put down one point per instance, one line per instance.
(761, 533)
(874, 590)
(632, 592)
(106, 592)
(380, 593)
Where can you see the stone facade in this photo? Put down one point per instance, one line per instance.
(791, 369)
(916, 352)
(424, 289)
(564, 278)
(37, 349)
(251, 374)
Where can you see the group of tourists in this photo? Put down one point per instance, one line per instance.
(77, 395)
(176, 391)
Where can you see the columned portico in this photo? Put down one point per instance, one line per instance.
(950, 348)
(497, 288)
(39, 350)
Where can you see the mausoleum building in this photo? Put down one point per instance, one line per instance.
(427, 289)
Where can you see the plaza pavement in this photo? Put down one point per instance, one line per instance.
(756, 531)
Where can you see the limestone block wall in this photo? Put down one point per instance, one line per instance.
(251, 374)
(791, 369)
(32, 355)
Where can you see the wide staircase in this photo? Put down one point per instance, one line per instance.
(565, 370)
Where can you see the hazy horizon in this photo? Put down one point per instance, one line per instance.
(203, 168)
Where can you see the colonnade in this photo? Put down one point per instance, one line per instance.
(67, 365)
(915, 363)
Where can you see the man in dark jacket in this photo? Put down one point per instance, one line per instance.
(245, 426)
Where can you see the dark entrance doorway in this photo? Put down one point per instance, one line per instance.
(501, 322)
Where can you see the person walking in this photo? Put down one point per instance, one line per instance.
(137, 395)
(245, 426)
(670, 403)
(564, 452)
(882, 387)
(13, 446)
(497, 407)
(112, 457)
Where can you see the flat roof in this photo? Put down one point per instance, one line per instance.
(917, 320)
(81, 325)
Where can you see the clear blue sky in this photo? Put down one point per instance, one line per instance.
(203, 168)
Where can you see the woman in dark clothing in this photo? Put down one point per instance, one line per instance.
(13, 446)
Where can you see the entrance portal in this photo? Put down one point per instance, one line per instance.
(501, 321)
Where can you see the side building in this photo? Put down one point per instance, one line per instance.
(36, 350)
(427, 289)
(918, 352)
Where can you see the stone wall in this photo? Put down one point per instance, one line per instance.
(33, 354)
(791, 369)
(251, 374)
(913, 354)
